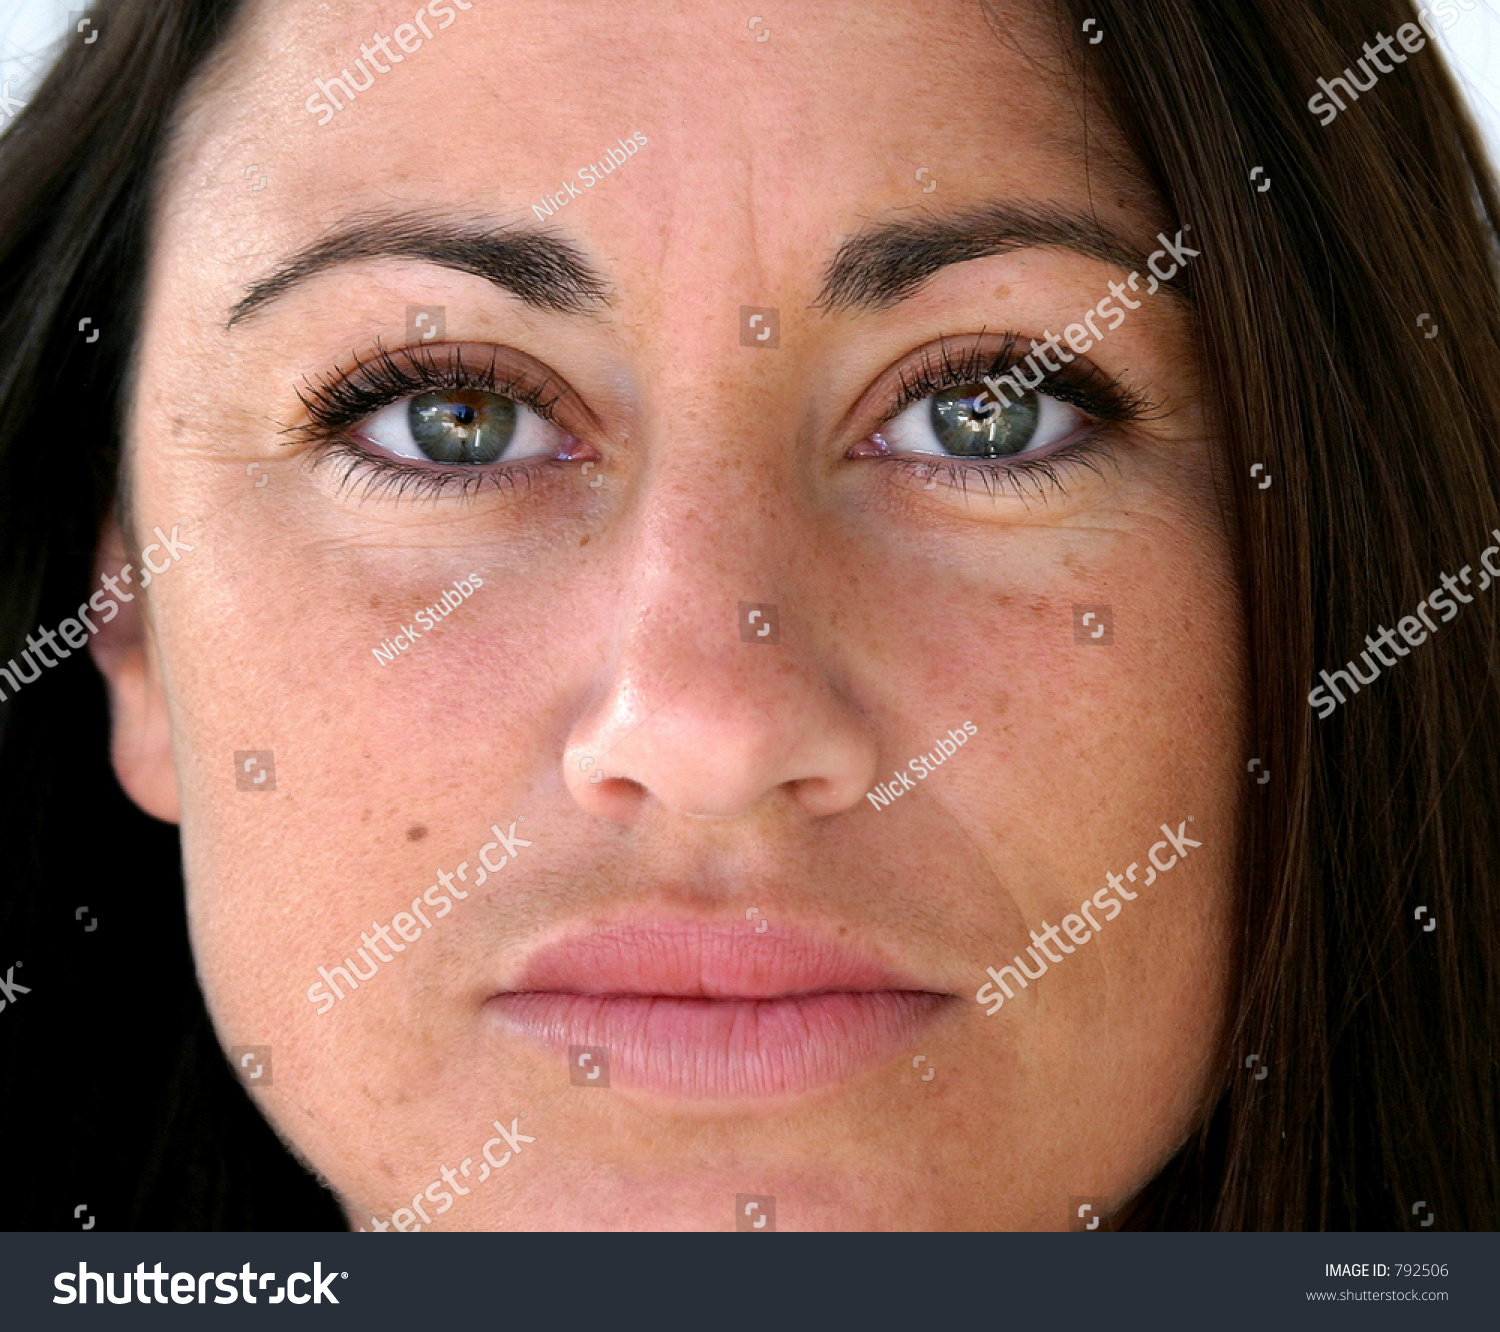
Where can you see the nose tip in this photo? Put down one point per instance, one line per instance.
(748, 725)
(723, 777)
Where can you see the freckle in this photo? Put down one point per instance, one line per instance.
(1002, 292)
(374, 600)
(416, 833)
(365, 817)
(583, 543)
(178, 425)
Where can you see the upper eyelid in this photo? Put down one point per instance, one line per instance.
(393, 375)
(962, 360)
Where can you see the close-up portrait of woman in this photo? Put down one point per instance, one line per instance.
(668, 616)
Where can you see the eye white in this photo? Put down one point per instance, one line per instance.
(912, 432)
(390, 429)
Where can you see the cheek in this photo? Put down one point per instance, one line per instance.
(1102, 668)
(382, 766)
(1087, 743)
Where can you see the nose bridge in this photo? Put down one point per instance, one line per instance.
(717, 692)
(719, 510)
(704, 549)
(714, 526)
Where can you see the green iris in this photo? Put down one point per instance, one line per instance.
(999, 433)
(462, 425)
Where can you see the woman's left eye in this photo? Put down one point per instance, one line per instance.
(966, 422)
(462, 427)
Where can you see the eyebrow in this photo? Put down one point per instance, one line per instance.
(541, 269)
(884, 264)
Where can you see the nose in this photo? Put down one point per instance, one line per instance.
(724, 691)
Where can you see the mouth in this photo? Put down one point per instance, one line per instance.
(716, 1011)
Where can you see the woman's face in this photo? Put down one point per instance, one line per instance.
(668, 524)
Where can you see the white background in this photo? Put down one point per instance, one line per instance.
(30, 30)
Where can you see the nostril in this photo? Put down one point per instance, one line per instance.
(607, 784)
(619, 798)
(818, 795)
(624, 786)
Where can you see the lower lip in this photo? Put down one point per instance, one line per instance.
(725, 1048)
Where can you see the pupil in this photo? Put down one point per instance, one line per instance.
(965, 433)
(462, 425)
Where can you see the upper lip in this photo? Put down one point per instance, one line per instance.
(705, 960)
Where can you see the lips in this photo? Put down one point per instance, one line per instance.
(717, 1011)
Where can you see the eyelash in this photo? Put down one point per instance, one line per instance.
(342, 400)
(1086, 387)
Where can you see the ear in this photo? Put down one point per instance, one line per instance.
(125, 653)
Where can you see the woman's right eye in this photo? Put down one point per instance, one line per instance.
(462, 427)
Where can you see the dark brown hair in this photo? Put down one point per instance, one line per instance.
(1377, 1033)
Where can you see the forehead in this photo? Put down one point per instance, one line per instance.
(769, 148)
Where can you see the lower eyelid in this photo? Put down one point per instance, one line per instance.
(1025, 476)
(378, 475)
